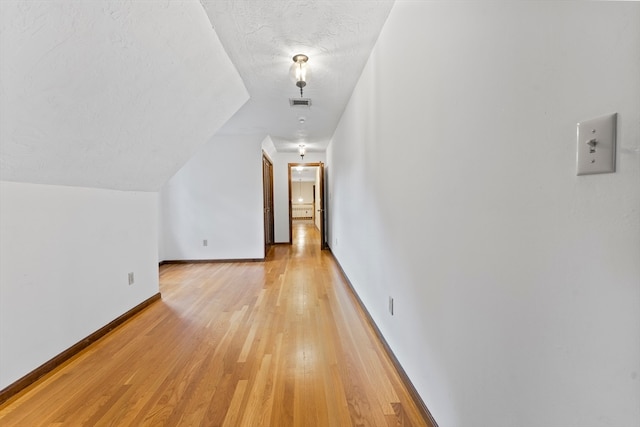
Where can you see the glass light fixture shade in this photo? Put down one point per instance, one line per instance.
(300, 71)
(302, 150)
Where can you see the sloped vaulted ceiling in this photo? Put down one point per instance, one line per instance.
(109, 94)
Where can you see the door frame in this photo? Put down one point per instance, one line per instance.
(268, 202)
(321, 211)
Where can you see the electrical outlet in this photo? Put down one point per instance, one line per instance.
(131, 280)
(391, 305)
(205, 242)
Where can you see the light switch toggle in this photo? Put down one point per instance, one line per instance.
(597, 145)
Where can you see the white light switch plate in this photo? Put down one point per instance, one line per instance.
(597, 145)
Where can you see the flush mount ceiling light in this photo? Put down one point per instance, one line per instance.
(300, 70)
(301, 150)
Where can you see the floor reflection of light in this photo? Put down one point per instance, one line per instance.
(300, 303)
(306, 358)
(306, 238)
(301, 235)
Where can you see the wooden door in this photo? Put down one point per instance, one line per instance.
(267, 190)
(321, 212)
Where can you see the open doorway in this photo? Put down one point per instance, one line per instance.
(306, 198)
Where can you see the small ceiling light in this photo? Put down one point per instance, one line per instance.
(299, 168)
(300, 70)
(301, 151)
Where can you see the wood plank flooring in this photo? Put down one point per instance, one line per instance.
(275, 343)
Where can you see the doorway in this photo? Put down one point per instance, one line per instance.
(267, 193)
(306, 197)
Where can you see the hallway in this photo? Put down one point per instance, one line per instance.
(281, 343)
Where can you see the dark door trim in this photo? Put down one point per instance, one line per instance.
(267, 195)
(320, 212)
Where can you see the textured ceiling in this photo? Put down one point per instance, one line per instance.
(261, 37)
(109, 94)
(119, 94)
(304, 174)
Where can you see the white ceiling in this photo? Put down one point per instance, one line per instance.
(109, 94)
(261, 38)
(304, 174)
(120, 94)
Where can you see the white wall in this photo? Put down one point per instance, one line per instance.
(516, 282)
(303, 189)
(65, 255)
(216, 196)
(269, 147)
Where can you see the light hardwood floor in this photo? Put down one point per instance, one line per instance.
(276, 343)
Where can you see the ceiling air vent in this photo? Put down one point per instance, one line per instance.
(300, 102)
